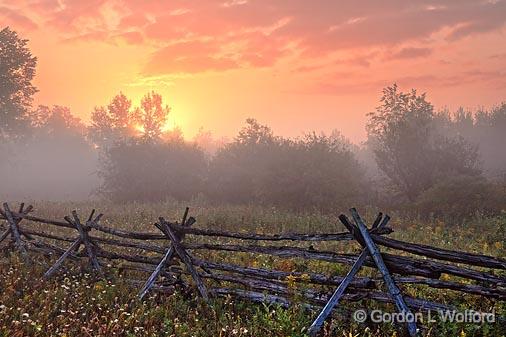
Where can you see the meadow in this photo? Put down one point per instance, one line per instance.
(78, 303)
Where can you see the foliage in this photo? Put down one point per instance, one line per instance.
(112, 123)
(316, 171)
(55, 160)
(408, 148)
(486, 129)
(55, 119)
(461, 197)
(138, 169)
(151, 116)
(17, 69)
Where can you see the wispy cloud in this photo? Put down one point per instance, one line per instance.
(242, 33)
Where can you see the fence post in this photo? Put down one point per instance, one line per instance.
(166, 258)
(339, 292)
(380, 264)
(14, 230)
(82, 239)
(75, 245)
(185, 257)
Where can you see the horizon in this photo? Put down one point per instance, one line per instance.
(319, 67)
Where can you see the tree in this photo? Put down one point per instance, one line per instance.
(151, 116)
(207, 142)
(408, 147)
(138, 170)
(236, 169)
(55, 119)
(17, 69)
(315, 172)
(55, 162)
(113, 123)
(462, 197)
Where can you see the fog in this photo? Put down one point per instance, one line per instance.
(416, 159)
(124, 155)
(54, 162)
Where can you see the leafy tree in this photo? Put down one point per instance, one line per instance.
(408, 147)
(461, 197)
(151, 116)
(236, 169)
(17, 69)
(137, 170)
(113, 123)
(255, 133)
(55, 119)
(315, 172)
(56, 161)
(119, 111)
(207, 142)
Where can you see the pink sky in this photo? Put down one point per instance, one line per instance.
(295, 65)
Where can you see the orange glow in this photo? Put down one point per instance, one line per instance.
(296, 66)
(139, 128)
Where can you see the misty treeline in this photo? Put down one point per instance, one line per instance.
(416, 159)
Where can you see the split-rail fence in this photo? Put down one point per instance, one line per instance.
(172, 262)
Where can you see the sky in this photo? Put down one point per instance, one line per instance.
(295, 65)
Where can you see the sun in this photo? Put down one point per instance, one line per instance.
(166, 127)
(139, 127)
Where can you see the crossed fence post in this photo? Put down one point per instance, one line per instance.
(175, 248)
(361, 235)
(90, 246)
(13, 229)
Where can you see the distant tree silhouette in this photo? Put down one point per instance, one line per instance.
(151, 116)
(409, 148)
(173, 136)
(461, 197)
(140, 170)
(17, 69)
(207, 142)
(113, 123)
(55, 119)
(315, 172)
(56, 161)
(255, 133)
(484, 128)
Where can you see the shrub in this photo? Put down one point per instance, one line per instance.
(315, 172)
(137, 170)
(462, 197)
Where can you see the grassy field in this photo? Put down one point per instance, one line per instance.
(77, 304)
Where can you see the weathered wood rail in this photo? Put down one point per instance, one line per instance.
(160, 254)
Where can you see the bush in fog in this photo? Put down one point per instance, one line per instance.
(457, 198)
(140, 170)
(56, 161)
(484, 128)
(140, 160)
(410, 150)
(316, 171)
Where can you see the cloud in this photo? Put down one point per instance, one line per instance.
(15, 19)
(347, 84)
(225, 34)
(166, 61)
(411, 52)
(131, 37)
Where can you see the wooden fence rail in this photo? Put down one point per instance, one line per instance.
(160, 254)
